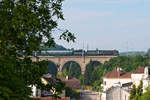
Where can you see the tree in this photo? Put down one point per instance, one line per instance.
(73, 69)
(81, 78)
(133, 92)
(148, 52)
(24, 26)
(90, 75)
(128, 64)
(140, 89)
(73, 94)
(146, 95)
(52, 68)
(136, 93)
(142, 96)
(64, 73)
(70, 70)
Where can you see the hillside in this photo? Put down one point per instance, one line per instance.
(132, 53)
(57, 47)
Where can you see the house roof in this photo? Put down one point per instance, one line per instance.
(73, 83)
(140, 70)
(50, 80)
(118, 73)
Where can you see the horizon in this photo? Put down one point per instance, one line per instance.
(107, 24)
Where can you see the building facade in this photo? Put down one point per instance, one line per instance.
(118, 82)
(117, 93)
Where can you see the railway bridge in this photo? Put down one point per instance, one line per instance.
(81, 60)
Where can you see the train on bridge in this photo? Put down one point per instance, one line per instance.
(78, 53)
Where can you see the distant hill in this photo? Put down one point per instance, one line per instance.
(57, 47)
(132, 53)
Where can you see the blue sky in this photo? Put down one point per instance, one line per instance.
(108, 24)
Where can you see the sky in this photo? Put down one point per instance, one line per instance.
(123, 25)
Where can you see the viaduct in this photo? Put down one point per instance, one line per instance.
(81, 60)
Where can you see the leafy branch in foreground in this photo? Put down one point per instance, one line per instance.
(24, 26)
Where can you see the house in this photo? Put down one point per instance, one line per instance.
(141, 74)
(117, 83)
(117, 93)
(46, 79)
(116, 77)
(73, 83)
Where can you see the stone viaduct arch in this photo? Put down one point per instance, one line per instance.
(52, 68)
(81, 60)
(68, 62)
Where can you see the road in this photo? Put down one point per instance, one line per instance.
(89, 95)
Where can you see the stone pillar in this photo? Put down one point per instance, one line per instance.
(60, 66)
(83, 68)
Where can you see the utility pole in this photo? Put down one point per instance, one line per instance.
(87, 47)
(127, 49)
(127, 53)
(83, 53)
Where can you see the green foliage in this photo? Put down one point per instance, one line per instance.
(140, 89)
(64, 73)
(136, 93)
(133, 92)
(137, 98)
(56, 87)
(81, 78)
(92, 75)
(148, 52)
(97, 74)
(146, 95)
(97, 85)
(52, 68)
(128, 64)
(72, 93)
(17, 75)
(27, 24)
(24, 26)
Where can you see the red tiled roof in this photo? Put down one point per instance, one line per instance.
(140, 70)
(73, 83)
(118, 74)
